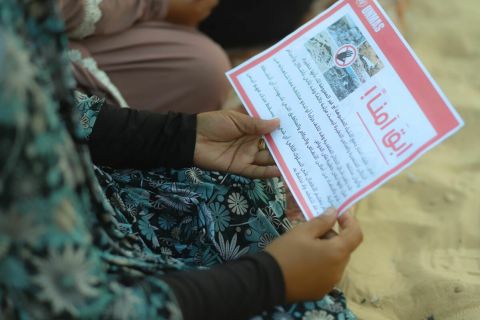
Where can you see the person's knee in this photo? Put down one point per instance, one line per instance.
(164, 67)
(206, 70)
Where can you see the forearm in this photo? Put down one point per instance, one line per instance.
(237, 290)
(126, 138)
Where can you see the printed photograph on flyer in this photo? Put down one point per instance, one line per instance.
(344, 56)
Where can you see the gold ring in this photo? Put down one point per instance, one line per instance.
(261, 145)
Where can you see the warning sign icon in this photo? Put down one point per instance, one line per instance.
(346, 55)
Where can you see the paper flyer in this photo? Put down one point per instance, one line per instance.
(355, 103)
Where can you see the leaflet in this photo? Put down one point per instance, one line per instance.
(355, 103)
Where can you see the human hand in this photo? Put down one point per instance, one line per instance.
(189, 12)
(228, 141)
(313, 258)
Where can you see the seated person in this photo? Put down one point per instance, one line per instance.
(147, 54)
(66, 252)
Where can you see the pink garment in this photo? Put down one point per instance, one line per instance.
(155, 65)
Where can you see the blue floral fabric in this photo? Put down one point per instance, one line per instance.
(71, 247)
(88, 108)
(202, 218)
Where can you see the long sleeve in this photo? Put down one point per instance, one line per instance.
(84, 18)
(126, 138)
(237, 290)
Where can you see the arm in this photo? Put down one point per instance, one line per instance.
(84, 18)
(126, 138)
(302, 265)
(237, 290)
(224, 141)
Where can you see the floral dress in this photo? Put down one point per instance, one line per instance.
(78, 241)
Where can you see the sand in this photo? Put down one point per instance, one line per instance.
(421, 255)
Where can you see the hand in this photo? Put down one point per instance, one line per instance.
(189, 12)
(227, 141)
(312, 258)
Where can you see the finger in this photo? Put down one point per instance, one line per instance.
(259, 172)
(350, 232)
(321, 225)
(254, 126)
(263, 158)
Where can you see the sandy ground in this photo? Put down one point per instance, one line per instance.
(421, 255)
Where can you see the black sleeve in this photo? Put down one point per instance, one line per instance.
(237, 290)
(126, 138)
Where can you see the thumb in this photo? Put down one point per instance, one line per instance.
(322, 224)
(255, 126)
